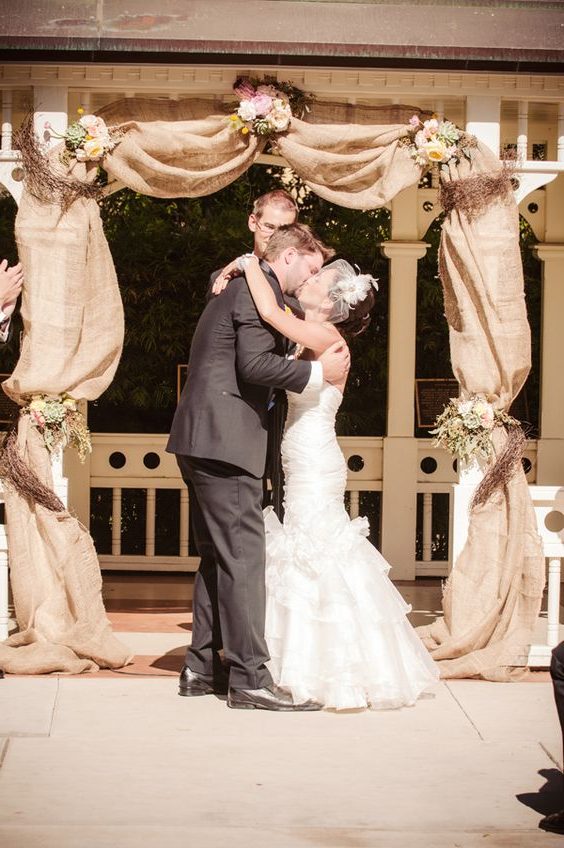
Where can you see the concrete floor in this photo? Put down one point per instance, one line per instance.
(96, 761)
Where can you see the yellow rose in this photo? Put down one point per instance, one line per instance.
(435, 151)
(69, 403)
(37, 405)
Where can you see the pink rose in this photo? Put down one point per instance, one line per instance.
(262, 104)
(244, 89)
(38, 418)
(487, 418)
(95, 127)
(430, 127)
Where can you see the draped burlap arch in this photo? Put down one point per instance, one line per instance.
(73, 334)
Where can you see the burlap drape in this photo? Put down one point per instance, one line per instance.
(351, 156)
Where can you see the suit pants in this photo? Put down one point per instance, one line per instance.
(229, 589)
(557, 674)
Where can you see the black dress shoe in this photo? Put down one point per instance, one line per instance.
(267, 698)
(192, 683)
(554, 823)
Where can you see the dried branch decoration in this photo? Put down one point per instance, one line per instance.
(473, 195)
(15, 472)
(41, 179)
(504, 468)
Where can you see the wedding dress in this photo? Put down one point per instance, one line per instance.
(336, 626)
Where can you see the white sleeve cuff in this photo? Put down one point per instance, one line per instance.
(4, 332)
(315, 378)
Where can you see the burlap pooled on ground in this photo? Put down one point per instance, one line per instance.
(56, 584)
(172, 149)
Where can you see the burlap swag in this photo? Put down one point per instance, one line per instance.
(74, 331)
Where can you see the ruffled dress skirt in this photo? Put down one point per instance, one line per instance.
(336, 626)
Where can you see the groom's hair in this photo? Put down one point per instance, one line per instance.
(280, 198)
(299, 236)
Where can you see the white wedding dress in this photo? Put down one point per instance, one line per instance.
(336, 626)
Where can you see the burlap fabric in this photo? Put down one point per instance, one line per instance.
(352, 156)
(56, 584)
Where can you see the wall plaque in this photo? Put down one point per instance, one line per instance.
(431, 397)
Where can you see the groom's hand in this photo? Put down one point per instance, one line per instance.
(336, 361)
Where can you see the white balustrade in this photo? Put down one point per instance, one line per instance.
(427, 526)
(548, 502)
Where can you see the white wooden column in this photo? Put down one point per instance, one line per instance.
(50, 104)
(550, 451)
(399, 490)
(483, 114)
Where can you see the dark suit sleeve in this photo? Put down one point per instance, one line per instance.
(255, 345)
(213, 276)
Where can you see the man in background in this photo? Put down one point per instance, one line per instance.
(270, 211)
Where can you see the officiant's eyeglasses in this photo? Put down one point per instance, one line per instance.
(266, 227)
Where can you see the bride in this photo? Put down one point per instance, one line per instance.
(336, 626)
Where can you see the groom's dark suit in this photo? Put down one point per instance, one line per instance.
(219, 435)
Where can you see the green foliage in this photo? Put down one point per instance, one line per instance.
(164, 252)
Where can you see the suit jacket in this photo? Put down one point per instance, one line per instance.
(236, 360)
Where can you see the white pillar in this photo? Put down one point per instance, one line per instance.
(6, 120)
(483, 114)
(50, 104)
(399, 495)
(522, 130)
(550, 452)
(470, 475)
(560, 137)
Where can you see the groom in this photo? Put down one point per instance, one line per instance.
(219, 436)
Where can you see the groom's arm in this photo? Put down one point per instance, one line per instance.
(255, 345)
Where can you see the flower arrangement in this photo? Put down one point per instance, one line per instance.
(59, 421)
(88, 139)
(436, 142)
(266, 106)
(465, 427)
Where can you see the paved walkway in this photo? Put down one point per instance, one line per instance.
(125, 762)
(113, 759)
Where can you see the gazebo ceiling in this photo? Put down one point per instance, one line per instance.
(513, 35)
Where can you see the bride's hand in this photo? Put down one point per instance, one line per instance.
(231, 270)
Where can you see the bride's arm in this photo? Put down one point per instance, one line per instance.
(313, 336)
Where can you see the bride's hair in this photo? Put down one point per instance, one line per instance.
(359, 318)
(353, 296)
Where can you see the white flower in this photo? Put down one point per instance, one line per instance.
(432, 125)
(420, 139)
(246, 111)
(435, 151)
(279, 121)
(354, 289)
(93, 149)
(465, 407)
